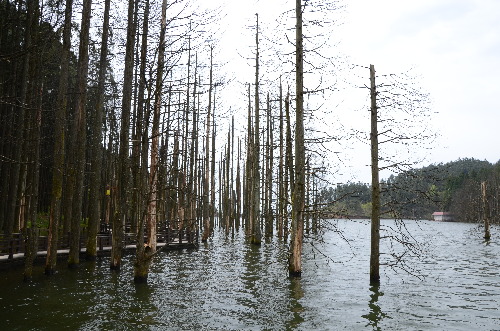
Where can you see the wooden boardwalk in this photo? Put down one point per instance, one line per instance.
(13, 248)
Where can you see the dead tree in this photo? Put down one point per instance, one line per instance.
(298, 201)
(121, 214)
(206, 181)
(375, 219)
(79, 137)
(96, 162)
(59, 142)
(486, 211)
(254, 209)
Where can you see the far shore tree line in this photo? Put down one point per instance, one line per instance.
(453, 187)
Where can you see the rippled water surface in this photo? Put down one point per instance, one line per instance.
(231, 285)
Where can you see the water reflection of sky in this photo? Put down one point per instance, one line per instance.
(228, 284)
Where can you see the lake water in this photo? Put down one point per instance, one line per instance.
(231, 285)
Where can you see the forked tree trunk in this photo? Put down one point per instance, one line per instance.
(140, 141)
(146, 251)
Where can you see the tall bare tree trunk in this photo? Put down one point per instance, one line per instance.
(298, 199)
(228, 182)
(96, 162)
(269, 171)
(121, 214)
(375, 221)
(238, 187)
(212, 172)
(59, 143)
(248, 189)
(256, 237)
(141, 141)
(34, 127)
(146, 251)
(80, 135)
(486, 211)
(206, 186)
(289, 173)
(280, 203)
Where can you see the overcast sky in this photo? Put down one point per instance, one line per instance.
(454, 45)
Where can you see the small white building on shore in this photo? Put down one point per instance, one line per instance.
(442, 216)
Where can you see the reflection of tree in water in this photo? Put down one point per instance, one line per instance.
(296, 293)
(376, 315)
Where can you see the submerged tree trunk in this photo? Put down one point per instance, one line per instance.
(121, 214)
(256, 236)
(206, 186)
(96, 162)
(269, 171)
(34, 135)
(145, 251)
(59, 142)
(486, 211)
(375, 221)
(298, 199)
(80, 136)
(280, 207)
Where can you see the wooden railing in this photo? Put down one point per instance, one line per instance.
(15, 244)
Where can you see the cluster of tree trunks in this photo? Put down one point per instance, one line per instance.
(81, 152)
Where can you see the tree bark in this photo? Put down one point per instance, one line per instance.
(59, 143)
(121, 214)
(256, 237)
(486, 211)
(80, 136)
(34, 136)
(96, 162)
(146, 251)
(298, 199)
(375, 221)
(206, 185)
(281, 194)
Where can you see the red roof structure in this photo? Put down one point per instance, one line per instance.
(442, 216)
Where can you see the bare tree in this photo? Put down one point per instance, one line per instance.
(59, 142)
(79, 137)
(298, 201)
(96, 143)
(375, 219)
(121, 214)
(399, 113)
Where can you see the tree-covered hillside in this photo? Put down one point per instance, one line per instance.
(454, 187)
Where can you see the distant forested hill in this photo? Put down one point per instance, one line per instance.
(416, 194)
